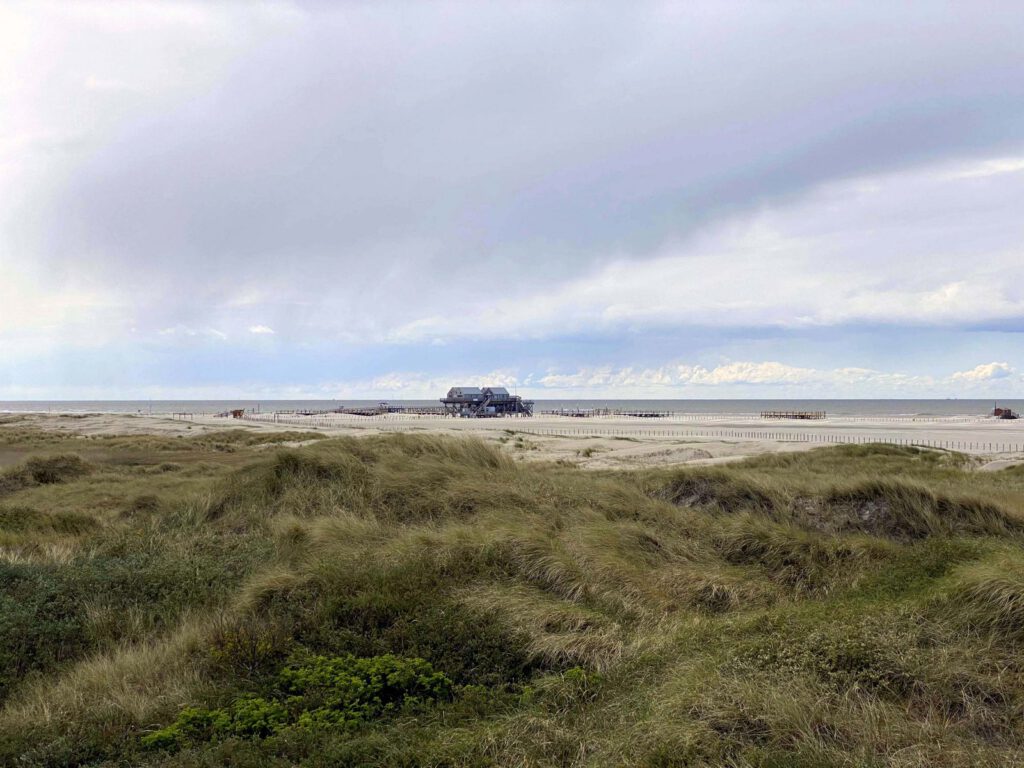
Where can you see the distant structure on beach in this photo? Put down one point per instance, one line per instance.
(1004, 413)
(803, 415)
(477, 403)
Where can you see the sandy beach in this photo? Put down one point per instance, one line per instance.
(602, 442)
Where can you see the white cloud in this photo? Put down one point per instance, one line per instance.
(420, 386)
(680, 380)
(986, 168)
(736, 379)
(688, 380)
(985, 372)
(260, 329)
(186, 331)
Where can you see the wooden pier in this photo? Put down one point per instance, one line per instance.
(803, 415)
(371, 410)
(577, 413)
(586, 413)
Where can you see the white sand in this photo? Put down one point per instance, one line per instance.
(607, 442)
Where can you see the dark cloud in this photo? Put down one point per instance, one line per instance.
(415, 138)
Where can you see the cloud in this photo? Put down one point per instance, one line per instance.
(683, 379)
(886, 249)
(220, 166)
(986, 168)
(590, 141)
(985, 372)
(762, 378)
(187, 332)
(260, 329)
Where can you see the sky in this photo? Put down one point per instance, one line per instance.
(580, 200)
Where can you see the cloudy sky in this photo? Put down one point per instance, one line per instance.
(340, 200)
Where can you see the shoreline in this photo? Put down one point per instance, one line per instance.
(606, 442)
(863, 408)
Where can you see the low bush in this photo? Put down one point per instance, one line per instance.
(314, 692)
(42, 622)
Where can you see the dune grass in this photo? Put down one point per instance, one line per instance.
(417, 600)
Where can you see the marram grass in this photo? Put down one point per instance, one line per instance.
(443, 605)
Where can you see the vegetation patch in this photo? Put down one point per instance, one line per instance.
(875, 655)
(904, 510)
(43, 470)
(716, 489)
(20, 519)
(405, 600)
(315, 692)
(990, 596)
(42, 624)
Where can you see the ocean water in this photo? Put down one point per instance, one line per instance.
(951, 407)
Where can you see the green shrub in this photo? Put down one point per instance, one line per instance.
(250, 717)
(350, 688)
(42, 624)
(193, 723)
(313, 692)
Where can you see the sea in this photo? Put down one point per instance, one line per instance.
(899, 407)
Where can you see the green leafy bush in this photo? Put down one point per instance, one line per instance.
(312, 692)
(247, 717)
(351, 689)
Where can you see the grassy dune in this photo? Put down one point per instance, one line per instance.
(413, 600)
